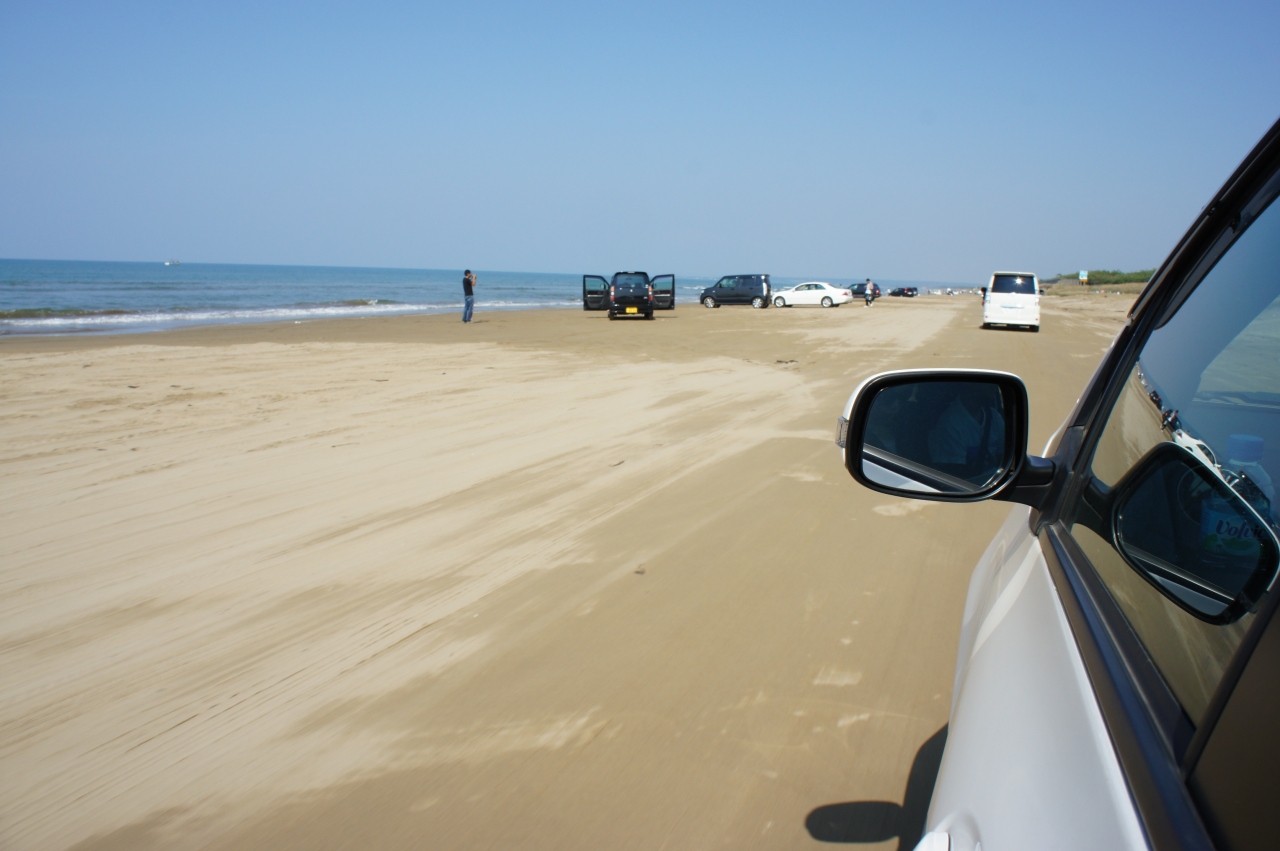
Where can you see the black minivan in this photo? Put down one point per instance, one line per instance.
(738, 289)
(624, 289)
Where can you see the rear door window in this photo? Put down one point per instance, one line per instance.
(1014, 284)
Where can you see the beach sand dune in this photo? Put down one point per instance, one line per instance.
(543, 581)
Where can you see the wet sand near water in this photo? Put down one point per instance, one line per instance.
(544, 581)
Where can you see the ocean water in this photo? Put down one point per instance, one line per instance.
(76, 297)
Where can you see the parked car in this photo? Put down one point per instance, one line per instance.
(629, 294)
(1013, 299)
(738, 289)
(904, 292)
(860, 291)
(814, 292)
(1118, 677)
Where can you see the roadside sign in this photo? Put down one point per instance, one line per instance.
(1084, 276)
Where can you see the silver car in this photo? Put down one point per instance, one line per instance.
(1118, 677)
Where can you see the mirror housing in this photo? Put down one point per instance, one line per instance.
(925, 408)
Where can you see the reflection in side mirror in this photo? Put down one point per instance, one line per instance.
(938, 437)
(1187, 532)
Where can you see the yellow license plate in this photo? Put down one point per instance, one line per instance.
(633, 310)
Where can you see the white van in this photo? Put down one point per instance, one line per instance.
(1012, 298)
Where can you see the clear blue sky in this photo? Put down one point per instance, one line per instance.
(931, 141)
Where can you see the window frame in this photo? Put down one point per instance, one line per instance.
(1155, 742)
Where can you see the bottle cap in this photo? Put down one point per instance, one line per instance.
(1244, 447)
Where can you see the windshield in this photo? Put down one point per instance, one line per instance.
(1020, 284)
(631, 279)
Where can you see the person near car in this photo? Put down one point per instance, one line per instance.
(870, 293)
(468, 295)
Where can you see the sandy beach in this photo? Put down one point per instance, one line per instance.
(544, 581)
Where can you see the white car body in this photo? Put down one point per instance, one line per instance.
(1022, 701)
(812, 293)
(1011, 308)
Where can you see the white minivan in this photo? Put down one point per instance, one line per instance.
(1012, 298)
(1117, 684)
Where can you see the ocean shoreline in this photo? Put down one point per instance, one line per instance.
(131, 322)
(54, 297)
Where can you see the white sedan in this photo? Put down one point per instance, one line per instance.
(814, 292)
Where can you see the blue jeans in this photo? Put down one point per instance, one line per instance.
(469, 309)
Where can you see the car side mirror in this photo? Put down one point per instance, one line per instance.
(954, 435)
(1177, 522)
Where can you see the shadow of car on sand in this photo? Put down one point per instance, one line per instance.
(880, 821)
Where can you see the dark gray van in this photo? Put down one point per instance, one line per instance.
(738, 289)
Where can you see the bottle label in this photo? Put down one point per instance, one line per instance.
(1223, 531)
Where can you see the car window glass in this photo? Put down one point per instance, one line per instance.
(1017, 284)
(1208, 380)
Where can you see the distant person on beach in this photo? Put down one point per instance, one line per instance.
(469, 296)
(870, 293)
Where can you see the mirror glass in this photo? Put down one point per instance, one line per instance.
(1184, 528)
(937, 437)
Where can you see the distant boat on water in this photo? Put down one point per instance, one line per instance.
(173, 262)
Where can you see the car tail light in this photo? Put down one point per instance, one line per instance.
(846, 292)
(611, 290)
(651, 292)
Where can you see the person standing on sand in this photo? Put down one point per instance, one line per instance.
(870, 293)
(468, 295)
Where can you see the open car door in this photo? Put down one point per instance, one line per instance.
(595, 293)
(664, 292)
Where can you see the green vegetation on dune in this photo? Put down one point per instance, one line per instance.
(1070, 287)
(1106, 277)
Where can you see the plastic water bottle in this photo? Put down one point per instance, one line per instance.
(1244, 451)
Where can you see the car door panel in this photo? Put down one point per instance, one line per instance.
(595, 293)
(1022, 701)
(664, 292)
